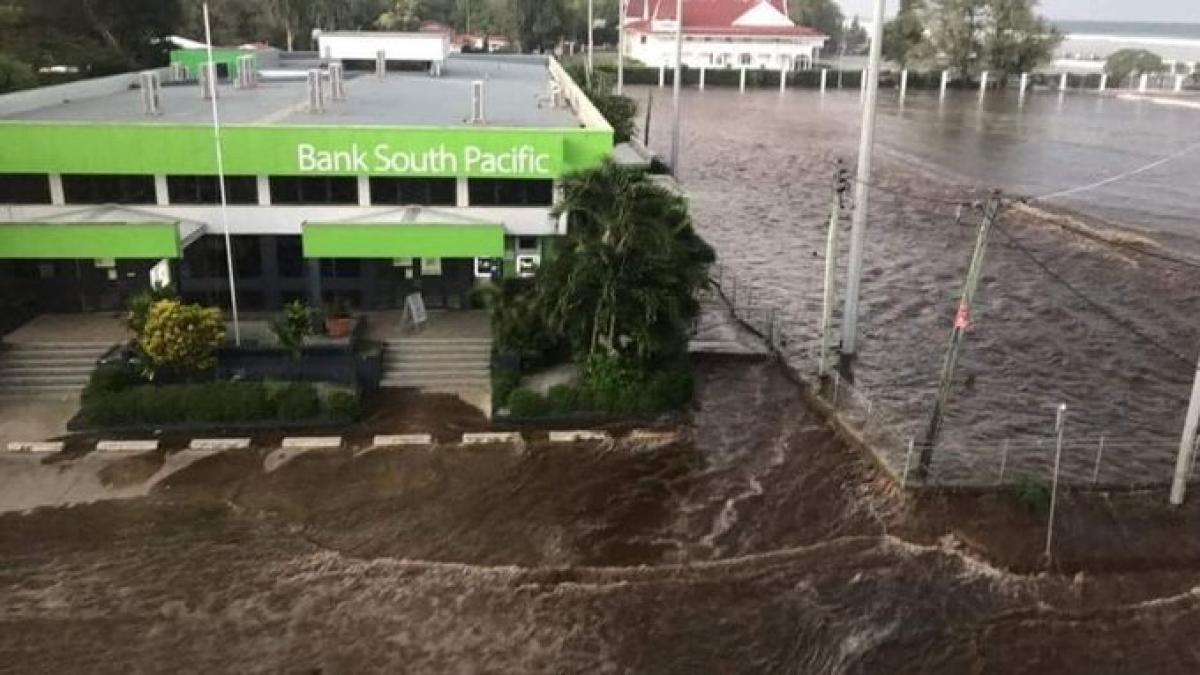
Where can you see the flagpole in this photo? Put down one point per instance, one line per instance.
(621, 9)
(212, 95)
(676, 85)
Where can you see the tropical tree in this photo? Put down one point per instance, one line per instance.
(1125, 62)
(539, 24)
(14, 74)
(904, 36)
(1015, 39)
(954, 31)
(625, 280)
(824, 15)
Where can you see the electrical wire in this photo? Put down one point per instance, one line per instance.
(1121, 176)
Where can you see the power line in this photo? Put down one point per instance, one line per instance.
(1121, 176)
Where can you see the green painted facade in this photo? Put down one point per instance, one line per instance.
(193, 58)
(41, 241)
(327, 240)
(285, 150)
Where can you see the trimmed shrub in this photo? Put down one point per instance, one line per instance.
(504, 382)
(181, 338)
(1033, 495)
(343, 406)
(297, 401)
(562, 399)
(526, 403)
(110, 378)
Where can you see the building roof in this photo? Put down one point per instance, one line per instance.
(516, 96)
(715, 17)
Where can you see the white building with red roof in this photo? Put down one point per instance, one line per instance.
(720, 34)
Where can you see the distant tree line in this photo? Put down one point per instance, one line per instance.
(1004, 37)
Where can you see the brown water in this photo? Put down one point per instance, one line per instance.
(758, 167)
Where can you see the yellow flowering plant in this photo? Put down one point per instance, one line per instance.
(181, 337)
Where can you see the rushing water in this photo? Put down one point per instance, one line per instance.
(758, 167)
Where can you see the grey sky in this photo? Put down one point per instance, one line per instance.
(1096, 10)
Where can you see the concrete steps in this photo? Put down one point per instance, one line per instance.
(438, 365)
(48, 369)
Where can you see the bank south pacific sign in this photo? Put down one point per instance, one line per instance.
(512, 159)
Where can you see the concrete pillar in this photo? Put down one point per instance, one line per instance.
(1024, 83)
(983, 82)
(824, 78)
(742, 81)
(782, 79)
(945, 83)
(264, 190)
(1179, 83)
(1103, 81)
(702, 71)
(662, 76)
(57, 197)
(312, 281)
(1144, 82)
(1062, 82)
(903, 83)
(162, 195)
(364, 190)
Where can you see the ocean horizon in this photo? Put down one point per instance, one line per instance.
(1131, 29)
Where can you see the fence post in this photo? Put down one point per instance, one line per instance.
(1099, 454)
(782, 79)
(702, 71)
(742, 82)
(1059, 423)
(945, 83)
(824, 78)
(662, 76)
(907, 462)
(837, 384)
(1003, 461)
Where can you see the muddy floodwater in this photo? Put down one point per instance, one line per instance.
(1060, 318)
(754, 542)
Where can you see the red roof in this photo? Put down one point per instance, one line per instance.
(712, 17)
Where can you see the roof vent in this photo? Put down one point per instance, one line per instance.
(478, 94)
(151, 92)
(380, 63)
(179, 72)
(316, 91)
(247, 66)
(208, 80)
(337, 81)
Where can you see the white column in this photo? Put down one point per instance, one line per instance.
(1103, 81)
(862, 85)
(903, 83)
(782, 79)
(742, 81)
(662, 75)
(1062, 83)
(364, 190)
(263, 183)
(702, 71)
(824, 78)
(57, 197)
(1144, 83)
(161, 193)
(945, 83)
(462, 193)
(1179, 83)
(983, 82)
(1024, 83)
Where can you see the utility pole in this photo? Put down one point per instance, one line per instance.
(862, 190)
(675, 91)
(1187, 444)
(841, 183)
(591, 43)
(622, 7)
(961, 321)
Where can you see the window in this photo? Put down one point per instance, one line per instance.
(289, 253)
(204, 190)
(527, 243)
(205, 259)
(745, 59)
(88, 189)
(341, 268)
(316, 190)
(24, 188)
(421, 191)
(643, 39)
(511, 192)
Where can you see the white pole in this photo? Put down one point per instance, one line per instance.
(702, 71)
(1103, 81)
(1187, 444)
(662, 78)
(1178, 83)
(1058, 427)
(1024, 83)
(742, 81)
(1099, 456)
(1144, 83)
(824, 78)
(983, 82)
(903, 83)
(1062, 83)
(676, 85)
(591, 42)
(862, 86)
(212, 90)
(621, 47)
(862, 191)
(782, 79)
(945, 83)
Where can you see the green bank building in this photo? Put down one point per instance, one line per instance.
(364, 179)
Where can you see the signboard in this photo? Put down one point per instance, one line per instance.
(160, 274)
(414, 304)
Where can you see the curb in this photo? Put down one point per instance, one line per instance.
(219, 444)
(35, 446)
(578, 436)
(312, 442)
(487, 438)
(126, 446)
(399, 440)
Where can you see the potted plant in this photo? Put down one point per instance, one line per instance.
(337, 319)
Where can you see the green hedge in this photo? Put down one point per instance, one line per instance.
(611, 388)
(114, 399)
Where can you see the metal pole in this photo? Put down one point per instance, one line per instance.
(1187, 444)
(862, 191)
(1058, 427)
(840, 180)
(1099, 454)
(621, 47)
(961, 321)
(907, 463)
(212, 90)
(591, 42)
(1003, 461)
(676, 85)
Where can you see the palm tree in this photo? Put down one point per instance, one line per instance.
(625, 280)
